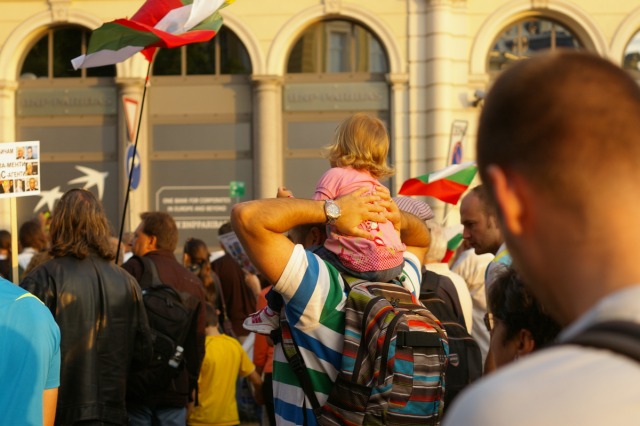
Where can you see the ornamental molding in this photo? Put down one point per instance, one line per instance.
(332, 6)
(446, 2)
(540, 4)
(59, 10)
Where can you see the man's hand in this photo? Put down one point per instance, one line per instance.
(392, 214)
(261, 224)
(357, 207)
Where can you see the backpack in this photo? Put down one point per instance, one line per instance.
(393, 360)
(465, 358)
(619, 336)
(169, 321)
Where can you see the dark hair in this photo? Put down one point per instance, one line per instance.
(554, 116)
(5, 240)
(79, 226)
(199, 256)
(212, 316)
(512, 303)
(226, 228)
(162, 226)
(37, 260)
(32, 235)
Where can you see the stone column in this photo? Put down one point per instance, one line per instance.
(138, 198)
(399, 123)
(439, 80)
(8, 134)
(267, 135)
(8, 110)
(446, 70)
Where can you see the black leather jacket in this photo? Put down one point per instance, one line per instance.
(104, 331)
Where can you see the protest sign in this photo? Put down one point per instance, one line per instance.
(19, 169)
(234, 248)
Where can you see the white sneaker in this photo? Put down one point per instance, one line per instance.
(262, 322)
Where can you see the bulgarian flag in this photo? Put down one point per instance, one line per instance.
(447, 184)
(158, 23)
(452, 245)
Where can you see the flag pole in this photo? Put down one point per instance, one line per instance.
(133, 161)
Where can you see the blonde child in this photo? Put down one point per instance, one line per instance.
(358, 158)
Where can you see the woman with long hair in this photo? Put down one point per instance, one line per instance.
(195, 258)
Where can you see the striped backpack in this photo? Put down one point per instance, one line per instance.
(393, 361)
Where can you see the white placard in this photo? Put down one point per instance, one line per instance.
(234, 248)
(19, 169)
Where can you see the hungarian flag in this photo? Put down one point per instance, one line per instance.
(447, 184)
(158, 23)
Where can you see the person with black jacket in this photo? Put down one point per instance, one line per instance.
(98, 307)
(156, 238)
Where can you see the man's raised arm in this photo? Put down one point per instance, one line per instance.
(414, 233)
(260, 225)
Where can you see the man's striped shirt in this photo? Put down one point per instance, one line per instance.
(315, 298)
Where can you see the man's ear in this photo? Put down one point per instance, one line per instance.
(153, 241)
(526, 343)
(509, 197)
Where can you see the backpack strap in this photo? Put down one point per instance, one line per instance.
(150, 277)
(292, 353)
(430, 283)
(622, 337)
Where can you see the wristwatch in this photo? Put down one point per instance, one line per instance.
(332, 211)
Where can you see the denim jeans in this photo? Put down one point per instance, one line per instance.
(141, 415)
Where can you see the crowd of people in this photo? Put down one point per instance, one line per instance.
(83, 354)
(547, 263)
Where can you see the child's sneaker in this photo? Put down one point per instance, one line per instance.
(262, 322)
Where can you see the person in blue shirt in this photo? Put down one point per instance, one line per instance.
(29, 360)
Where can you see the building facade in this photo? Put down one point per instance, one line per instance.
(234, 118)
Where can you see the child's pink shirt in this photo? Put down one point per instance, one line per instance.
(359, 254)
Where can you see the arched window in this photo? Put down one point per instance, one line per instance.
(223, 54)
(631, 58)
(526, 37)
(335, 68)
(337, 46)
(200, 132)
(50, 57)
(73, 113)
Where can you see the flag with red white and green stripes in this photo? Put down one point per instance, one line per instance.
(158, 23)
(452, 245)
(447, 184)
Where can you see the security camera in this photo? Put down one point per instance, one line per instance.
(478, 98)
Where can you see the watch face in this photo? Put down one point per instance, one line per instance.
(333, 211)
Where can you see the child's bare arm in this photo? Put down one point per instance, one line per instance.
(255, 379)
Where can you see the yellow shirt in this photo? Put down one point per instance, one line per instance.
(223, 362)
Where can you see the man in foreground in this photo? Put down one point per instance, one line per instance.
(559, 150)
(312, 289)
